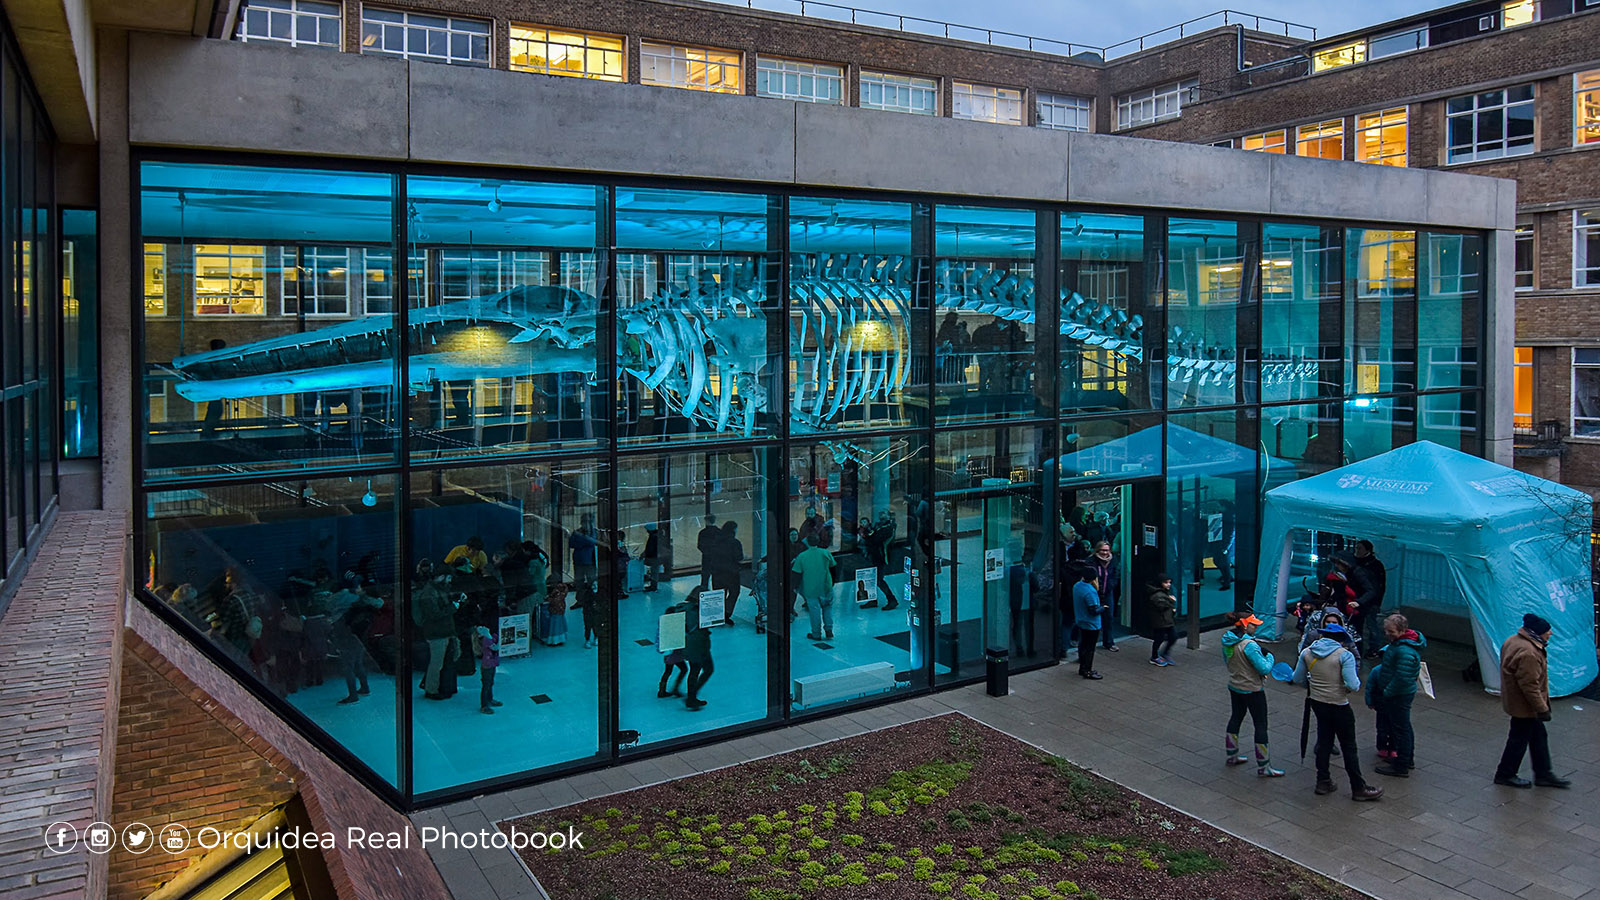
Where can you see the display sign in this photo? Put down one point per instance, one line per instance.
(1150, 536)
(994, 564)
(1214, 528)
(833, 482)
(712, 608)
(867, 585)
(670, 631)
(515, 635)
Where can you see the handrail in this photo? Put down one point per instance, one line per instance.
(995, 37)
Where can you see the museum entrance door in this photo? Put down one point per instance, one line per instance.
(1128, 516)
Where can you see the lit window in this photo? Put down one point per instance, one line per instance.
(1586, 248)
(900, 93)
(1522, 389)
(1586, 107)
(318, 284)
(792, 79)
(985, 103)
(1155, 104)
(575, 53)
(1518, 12)
(1381, 137)
(1526, 254)
(1266, 142)
(692, 68)
(1397, 43)
(228, 280)
(299, 23)
(407, 35)
(1323, 140)
(1342, 55)
(1491, 125)
(1586, 391)
(1062, 112)
(379, 283)
(1386, 264)
(155, 280)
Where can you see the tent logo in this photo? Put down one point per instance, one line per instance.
(1496, 487)
(1385, 485)
(1350, 480)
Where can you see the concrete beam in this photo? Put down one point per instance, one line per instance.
(57, 42)
(1340, 190)
(173, 16)
(1139, 172)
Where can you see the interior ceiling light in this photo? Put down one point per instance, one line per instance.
(495, 204)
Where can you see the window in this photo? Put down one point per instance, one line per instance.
(319, 285)
(1397, 43)
(228, 280)
(1155, 104)
(984, 103)
(1381, 137)
(155, 282)
(1266, 142)
(575, 53)
(1491, 125)
(694, 68)
(1324, 140)
(1526, 255)
(1342, 55)
(1586, 248)
(1522, 389)
(446, 39)
(299, 23)
(1062, 112)
(791, 79)
(900, 93)
(1518, 12)
(1586, 108)
(1586, 391)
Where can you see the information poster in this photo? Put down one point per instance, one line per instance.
(1214, 528)
(670, 632)
(994, 564)
(515, 633)
(712, 608)
(866, 590)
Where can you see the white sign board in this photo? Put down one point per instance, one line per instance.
(1214, 528)
(866, 589)
(1150, 536)
(994, 565)
(514, 635)
(712, 608)
(670, 629)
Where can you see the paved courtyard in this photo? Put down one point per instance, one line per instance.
(1446, 833)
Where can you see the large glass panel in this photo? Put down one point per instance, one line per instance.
(1211, 505)
(1374, 425)
(10, 184)
(489, 547)
(1210, 312)
(295, 582)
(983, 291)
(1301, 290)
(1380, 311)
(988, 543)
(28, 250)
(503, 342)
(701, 564)
(1110, 449)
(858, 334)
(1452, 420)
(1299, 441)
(1449, 308)
(698, 329)
(80, 338)
(1110, 314)
(236, 378)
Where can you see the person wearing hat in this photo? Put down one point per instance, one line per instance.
(1248, 666)
(1525, 693)
(1328, 669)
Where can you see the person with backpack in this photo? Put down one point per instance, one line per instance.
(1248, 666)
(1328, 670)
(1394, 687)
(1163, 620)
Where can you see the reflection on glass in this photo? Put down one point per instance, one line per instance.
(696, 317)
(1103, 449)
(984, 297)
(1374, 425)
(699, 565)
(1451, 420)
(1106, 313)
(242, 369)
(857, 513)
(503, 334)
(296, 583)
(507, 640)
(988, 531)
(1304, 438)
(1301, 289)
(1211, 490)
(857, 314)
(1448, 311)
(1380, 311)
(1209, 286)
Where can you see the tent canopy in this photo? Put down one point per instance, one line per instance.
(1514, 543)
(1188, 452)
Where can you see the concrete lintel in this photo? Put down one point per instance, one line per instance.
(1347, 190)
(1142, 172)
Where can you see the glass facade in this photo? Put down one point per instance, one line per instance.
(480, 479)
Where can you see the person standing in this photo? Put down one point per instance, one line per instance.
(728, 561)
(1248, 666)
(1328, 669)
(1371, 580)
(697, 653)
(488, 661)
(1163, 620)
(435, 618)
(1394, 687)
(1086, 612)
(585, 543)
(351, 610)
(814, 567)
(707, 542)
(1109, 582)
(652, 558)
(1218, 549)
(877, 537)
(1525, 693)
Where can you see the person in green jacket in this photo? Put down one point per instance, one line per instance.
(813, 570)
(1248, 666)
(1394, 686)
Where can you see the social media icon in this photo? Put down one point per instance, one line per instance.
(99, 837)
(60, 837)
(137, 838)
(175, 838)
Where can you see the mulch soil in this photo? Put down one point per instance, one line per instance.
(944, 807)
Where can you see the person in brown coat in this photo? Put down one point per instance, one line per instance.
(1525, 693)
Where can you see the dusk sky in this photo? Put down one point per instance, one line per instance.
(1103, 23)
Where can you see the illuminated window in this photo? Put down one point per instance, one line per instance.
(299, 23)
(1155, 104)
(1381, 137)
(1062, 112)
(1522, 389)
(692, 68)
(793, 79)
(1586, 248)
(1266, 142)
(900, 93)
(1397, 43)
(1586, 391)
(1526, 254)
(318, 283)
(579, 54)
(1490, 125)
(155, 280)
(1324, 140)
(1386, 264)
(1518, 12)
(1342, 55)
(985, 103)
(378, 284)
(407, 35)
(228, 280)
(1586, 107)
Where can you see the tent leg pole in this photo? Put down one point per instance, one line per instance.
(1281, 606)
(1193, 638)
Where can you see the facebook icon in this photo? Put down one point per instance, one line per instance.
(60, 837)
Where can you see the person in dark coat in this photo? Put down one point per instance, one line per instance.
(435, 618)
(652, 557)
(1394, 686)
(1370, 580)
(1109, 582)
(1163, 620)
(1525, 693)
(729, 560)
(877, 536)
(706, 542)
(697, 653)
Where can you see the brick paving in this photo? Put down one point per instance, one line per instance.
(1447, 833)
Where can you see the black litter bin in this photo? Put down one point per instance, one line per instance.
(998, 662)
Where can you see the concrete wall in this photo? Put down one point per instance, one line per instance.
(117, 431)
